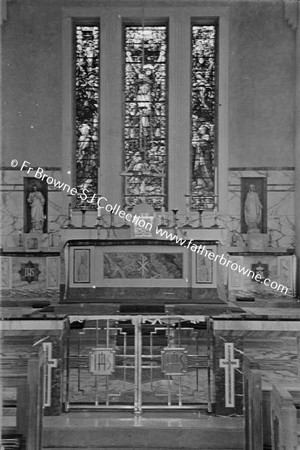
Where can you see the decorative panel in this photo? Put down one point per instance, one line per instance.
(6, 272)
(53, 272)
(143, 265)
(87, 84)
(82, 262)
(145, 131)
(234, 276)
(286, 271)
(204, 270)
(203, 116)
(131, 266)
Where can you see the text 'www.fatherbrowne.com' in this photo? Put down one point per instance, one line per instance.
(202, 250)
(144, 223)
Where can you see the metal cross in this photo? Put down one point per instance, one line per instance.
(50, 364)
(229, 364)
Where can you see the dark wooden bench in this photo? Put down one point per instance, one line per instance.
(272, 418)
(29, 413)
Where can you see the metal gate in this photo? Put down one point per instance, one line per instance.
(138, 362)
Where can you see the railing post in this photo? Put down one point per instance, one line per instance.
(137, 321)
(35, 401)
(253, 405)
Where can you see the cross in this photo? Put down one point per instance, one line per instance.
(143, 262)
(50, 364)
(229, 364)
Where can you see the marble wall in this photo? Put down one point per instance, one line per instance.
(280, 203)
(258, 129)
(280, 225)
(13, 203)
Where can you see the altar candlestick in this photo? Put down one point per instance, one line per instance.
(270, 239)
(112, 221)
(162, 218)
(175, 220)
(187, 210)
(234, 239)
(83, 224)
(200, 211)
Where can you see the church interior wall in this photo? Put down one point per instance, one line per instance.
(49, 282)
(261, 55)
(261, 86)
(260, 104)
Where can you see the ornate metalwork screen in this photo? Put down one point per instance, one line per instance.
(87, 54)
(138, 363)
(203, 116)
(145, 153)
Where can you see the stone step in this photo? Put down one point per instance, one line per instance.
(158, 438)
(128, 448)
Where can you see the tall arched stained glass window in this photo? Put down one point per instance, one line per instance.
(203, 116)
(87, 50)
(145, 131)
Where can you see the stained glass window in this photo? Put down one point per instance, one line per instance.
(203, 116)
(87, 109)
(145, 153)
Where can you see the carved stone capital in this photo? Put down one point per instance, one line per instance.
(291, 13)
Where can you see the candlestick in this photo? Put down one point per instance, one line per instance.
(125, 225)
(70, 215)
(69, 218)
(98, 226)
(98, 223)
(234, 239)
(20, 239)
(112, 220)
(215, 225)
(175, 220)
(270, 238)
(216, 201)
(187, 210)
(83, 224)
(200, 211)
(163, 220)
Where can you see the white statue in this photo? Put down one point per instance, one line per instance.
(36, 201)
(252, 210)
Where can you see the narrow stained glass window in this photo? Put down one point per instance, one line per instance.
(203, 116)
(87, 109)
(145, 153)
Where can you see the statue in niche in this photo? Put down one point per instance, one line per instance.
(252, 210)
(36, 201)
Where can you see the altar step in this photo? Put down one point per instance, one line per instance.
(205, 309)
(87, 431)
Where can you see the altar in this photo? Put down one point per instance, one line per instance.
(134, 270)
